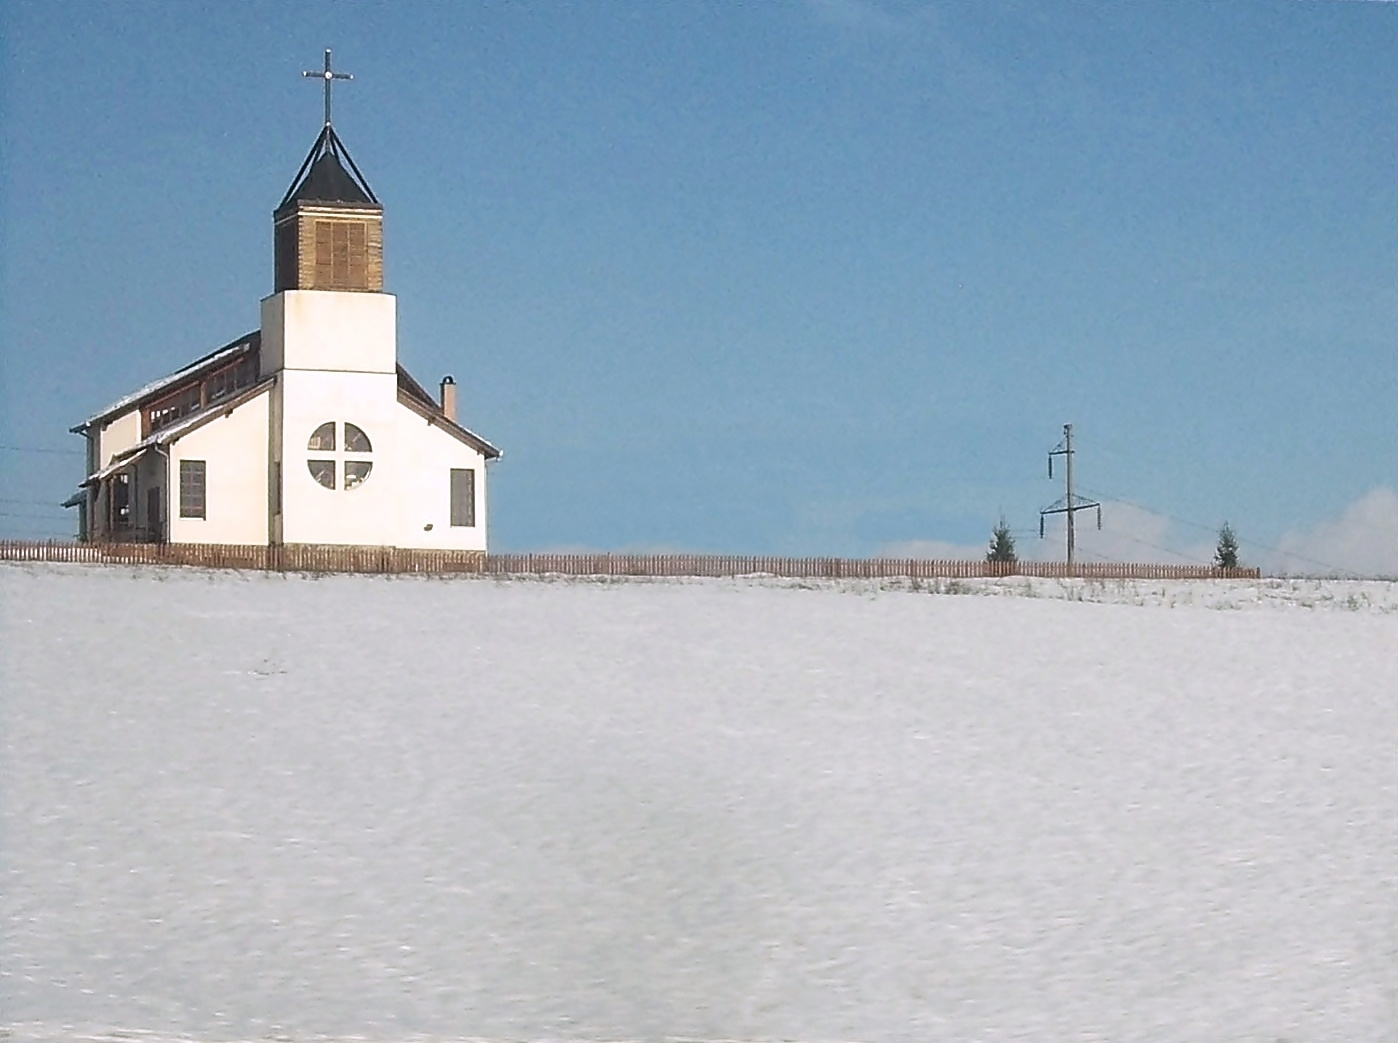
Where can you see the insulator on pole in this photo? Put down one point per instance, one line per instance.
(1071, 501)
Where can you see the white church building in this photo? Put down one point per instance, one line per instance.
(306, 430)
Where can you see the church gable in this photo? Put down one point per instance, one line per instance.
(435, 418)
(222, 410)
(416, 398)
(306, 431)
(170, 433)
(132, 497)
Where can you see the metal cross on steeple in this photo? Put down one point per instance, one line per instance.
(329, 77)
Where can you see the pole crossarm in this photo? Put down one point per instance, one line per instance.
(1080, 503)
(1070, 502)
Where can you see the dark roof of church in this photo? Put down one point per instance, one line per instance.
(329, 182)
(323, 177)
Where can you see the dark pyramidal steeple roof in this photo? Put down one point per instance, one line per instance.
(329, 182)
(324, 179)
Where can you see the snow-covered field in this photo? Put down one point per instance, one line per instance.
(261, 807)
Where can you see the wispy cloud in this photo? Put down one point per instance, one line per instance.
(931, 550)
(1363, 540)
(1129, 532)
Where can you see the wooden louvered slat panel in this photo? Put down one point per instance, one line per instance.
(332, 253)
(325, 269)
(339, 278)
(355, 273)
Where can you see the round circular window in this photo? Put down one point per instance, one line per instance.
(341, 458)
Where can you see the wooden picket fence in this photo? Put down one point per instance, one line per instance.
(326, 558)
(300, 557)
(836, 568)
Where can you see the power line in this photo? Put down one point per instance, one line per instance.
(1257, 544)
(1152, 510)
(28, 513)
(1155, 546)
(1119, 534)
(41, 449)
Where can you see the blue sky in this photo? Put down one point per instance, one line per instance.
(807, 276)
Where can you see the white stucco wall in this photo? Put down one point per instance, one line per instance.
(336, 357)
(329, 330)
(424, 487)
(311, 513)
(234, 448)
(118, 435)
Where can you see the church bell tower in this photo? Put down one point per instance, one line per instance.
(329, 225)
(329, 337)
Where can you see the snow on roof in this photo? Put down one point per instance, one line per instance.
(125, 459)
(184, 425)
(179, 428)
(126, 402)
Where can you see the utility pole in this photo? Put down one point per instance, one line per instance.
(1070, 503)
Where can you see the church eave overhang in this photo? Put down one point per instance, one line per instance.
(249, 342)
(439, 419)
(300, 207)
(121, 462)
(169, 435)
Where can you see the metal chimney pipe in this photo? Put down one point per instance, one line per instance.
(449, 398)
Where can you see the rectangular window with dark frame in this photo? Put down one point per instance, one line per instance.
(192, 486)
(463, 496)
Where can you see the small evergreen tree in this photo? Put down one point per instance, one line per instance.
(1226, 556)
(1002, 544)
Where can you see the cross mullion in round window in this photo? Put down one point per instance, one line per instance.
(350, 464)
